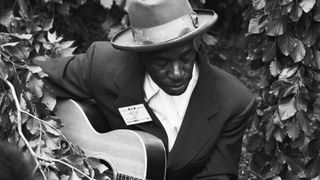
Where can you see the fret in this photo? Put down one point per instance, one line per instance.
(121, 176)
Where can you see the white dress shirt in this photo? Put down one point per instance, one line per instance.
(169, 109)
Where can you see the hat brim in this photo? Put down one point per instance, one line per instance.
(124, 40)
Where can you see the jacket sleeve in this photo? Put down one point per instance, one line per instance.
(223, 164)
(69, 77)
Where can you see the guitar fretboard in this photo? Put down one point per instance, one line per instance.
(127, 177)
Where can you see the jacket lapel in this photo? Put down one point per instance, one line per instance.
(129, 80)
(195, 130)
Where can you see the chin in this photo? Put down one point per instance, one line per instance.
(176, 92)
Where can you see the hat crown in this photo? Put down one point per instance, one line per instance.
(151, 13)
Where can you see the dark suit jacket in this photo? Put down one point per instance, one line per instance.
(208, 145)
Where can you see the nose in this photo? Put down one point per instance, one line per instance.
(176, 70)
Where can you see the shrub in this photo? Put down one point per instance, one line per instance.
(26, 102)
(284, 44)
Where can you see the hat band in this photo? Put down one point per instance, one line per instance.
(167, 31)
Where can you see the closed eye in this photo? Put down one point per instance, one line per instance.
(161, 62)
(188, 57)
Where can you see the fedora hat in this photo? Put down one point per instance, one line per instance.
(157, 24)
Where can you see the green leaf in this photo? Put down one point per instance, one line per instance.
(309, 37)
(276, 119)
(284, 2)
(255, 26)
(287, 108)
(255, 143)
(66, 44)
(287, 44)
(52, 142)
(6, 16)
(293, 130)
(296, 13)
(33, 126)
(313, 167)
(313, 147)
(35, 85)
(34, 69)
(291, 176)
(258, 4)
(316, 58)
(275, 27)
(303, 121)
(52, 176)
(275, 68)
(298, 142)
(64, 9)
(270, 146)
(49, 99)
(74, 176)
(67, 52)
(307, 5)
(4, 73)
(286, 9)
(299, 52)
(316, 14)
(52, 37)
(22, 36)
(75, 160)
(20, 52)
(35, 141)
(294, 164)
(209, 39)
(10, 44)
(287, 89)
(287, 73)
(106, 3)
(308, 59)
(54, 122)
(259, 161)
(37, 47)
(96, 164)
(270, 52)
(279, 134)
(51, 130)
(121, 3)
(301, 100)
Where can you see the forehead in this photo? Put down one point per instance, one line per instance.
(172, 52)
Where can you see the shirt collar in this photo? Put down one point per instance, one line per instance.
(151, 88)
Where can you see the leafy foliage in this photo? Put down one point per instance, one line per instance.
(283, 43)
(26, 102)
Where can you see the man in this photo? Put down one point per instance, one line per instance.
(199, 111)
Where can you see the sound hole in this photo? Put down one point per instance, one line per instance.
(108, 174)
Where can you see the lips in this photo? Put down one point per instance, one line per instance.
(178, 86)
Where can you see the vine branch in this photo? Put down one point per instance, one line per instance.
(26, 142)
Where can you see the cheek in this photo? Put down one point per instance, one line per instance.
(188, 68)
(158, 74)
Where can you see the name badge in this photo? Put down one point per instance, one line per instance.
(135, 114)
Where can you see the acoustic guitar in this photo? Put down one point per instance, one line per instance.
(131, 154)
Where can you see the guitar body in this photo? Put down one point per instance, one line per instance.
(131, 154)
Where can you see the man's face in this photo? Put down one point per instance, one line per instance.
(171, 69)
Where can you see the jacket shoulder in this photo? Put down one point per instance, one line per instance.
(233, 95)
(106, 60)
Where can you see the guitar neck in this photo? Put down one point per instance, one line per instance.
(121, 176)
